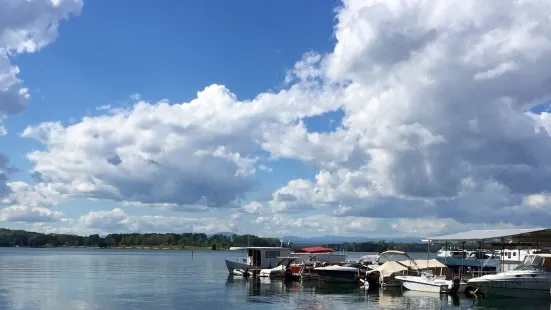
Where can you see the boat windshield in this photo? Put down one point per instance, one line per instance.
(533, 260)
(529, 267)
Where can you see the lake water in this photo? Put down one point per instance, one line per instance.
(84, 279)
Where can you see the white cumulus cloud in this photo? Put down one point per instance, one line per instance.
(194, 153)
(437, 101)
(25, 27)
(29, 214)
(117, 220)
(436, 97)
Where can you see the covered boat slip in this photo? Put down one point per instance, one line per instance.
(535, 237)
(389, 269)
(496, 239)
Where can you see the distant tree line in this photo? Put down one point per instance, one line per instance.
(22, 238)
(10, 237)
(380, 246)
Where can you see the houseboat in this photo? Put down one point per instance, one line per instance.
(257, 258)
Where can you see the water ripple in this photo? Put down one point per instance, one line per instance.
(85, 279)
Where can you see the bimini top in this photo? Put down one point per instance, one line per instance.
(236, 248)
(514, 235)
(316, 249)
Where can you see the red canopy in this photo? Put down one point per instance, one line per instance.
(315, 249)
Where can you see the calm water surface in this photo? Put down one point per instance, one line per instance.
(82, 279)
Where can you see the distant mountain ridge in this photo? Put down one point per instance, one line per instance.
(331, 239)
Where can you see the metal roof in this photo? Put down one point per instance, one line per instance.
(522, 234)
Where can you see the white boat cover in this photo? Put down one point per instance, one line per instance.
(390, 267)
(424, 264)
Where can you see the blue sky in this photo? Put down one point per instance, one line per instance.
(356, 131)
(166, 52)
(113, 50)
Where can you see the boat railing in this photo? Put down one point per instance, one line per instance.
(478, 274)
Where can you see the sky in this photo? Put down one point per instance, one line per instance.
(307, 118)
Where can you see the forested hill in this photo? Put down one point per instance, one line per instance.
(380, 246)
(12, 238)
(9, 238)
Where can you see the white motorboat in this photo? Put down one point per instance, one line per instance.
(429, 283)
(530, 279)
(349, 273)
(423, 281)
(273, 272)
(385, 274)
(451, 252)
(369, 259)
(241, 272)
(279, 270)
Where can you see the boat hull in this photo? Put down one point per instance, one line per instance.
(337, 276)
(430, 286)
(391, 283)
(277, 272)
(338, 279)
(514, 288)
(231, 265)
(422, 287)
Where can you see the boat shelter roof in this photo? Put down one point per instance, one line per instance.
(423, 263)
(518, 235)
(316, 249)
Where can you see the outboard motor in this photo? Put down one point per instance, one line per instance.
(455, 286)
(288, 275)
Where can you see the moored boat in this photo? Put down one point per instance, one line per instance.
(279, 270)
(385, 274)
(348, 273)
(531, 279)
(426, 282)
(423, 279)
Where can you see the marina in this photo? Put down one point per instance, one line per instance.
(473, 272)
